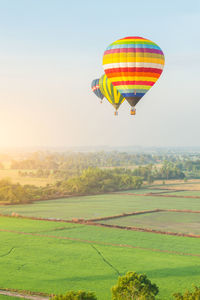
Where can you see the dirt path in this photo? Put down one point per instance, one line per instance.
(24, 296)
(98, 242)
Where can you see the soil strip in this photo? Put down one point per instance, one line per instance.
(158, 195)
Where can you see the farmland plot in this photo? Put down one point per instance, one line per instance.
(44, 259)
(180, 222)
(89, 207)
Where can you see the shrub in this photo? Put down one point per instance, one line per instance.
(134, 286)
(80, 295)
(194, 295)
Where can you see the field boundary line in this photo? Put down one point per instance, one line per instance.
(144, 230)
(91, 222)
(163, 191)
(126, 215)
(157, 210)
(157, 195)
(100, 243)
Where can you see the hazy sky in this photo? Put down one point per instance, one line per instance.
(51, 50)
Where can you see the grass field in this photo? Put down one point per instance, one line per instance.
(13, 175)
(165, 221)
(88, 207)
(47, 264)
(53, 257)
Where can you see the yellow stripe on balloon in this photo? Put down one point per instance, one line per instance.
(134, 54)
(139, 78)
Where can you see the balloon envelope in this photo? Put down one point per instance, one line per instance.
(110, 92)
(96, 89)
(133, 65)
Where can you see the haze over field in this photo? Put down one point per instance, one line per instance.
(52, 50)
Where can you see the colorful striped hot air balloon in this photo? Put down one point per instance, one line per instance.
(110, 92)
(133, 65)
(96, 89)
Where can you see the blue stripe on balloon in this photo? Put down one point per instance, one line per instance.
(132, 95)
(133, 46)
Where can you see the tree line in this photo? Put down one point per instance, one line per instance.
(190, 167)
(95, 180)
(91, 181)
(150, 172)
(82, 160)
(168, 170)
(62, 166)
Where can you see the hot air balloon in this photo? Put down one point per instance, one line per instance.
(96, 89)
(110, 92)
(133, 65)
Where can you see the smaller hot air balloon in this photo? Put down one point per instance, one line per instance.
(110, 92)
(96, 89)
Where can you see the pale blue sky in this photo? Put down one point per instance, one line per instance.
(51, 50)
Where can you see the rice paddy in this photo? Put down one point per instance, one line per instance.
(54, 257)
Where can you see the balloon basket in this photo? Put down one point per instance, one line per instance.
(133, 112)
(116, 113)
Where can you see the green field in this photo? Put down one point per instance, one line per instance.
(47, 264)
(100, 234)
(88, 207)
(53, 257)
(165, 221)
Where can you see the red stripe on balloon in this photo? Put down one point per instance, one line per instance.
(145, 70)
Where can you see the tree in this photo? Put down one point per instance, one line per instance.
(194, 295)
(134, 286)
(150, 179)
(80, 295)
(95, 180)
